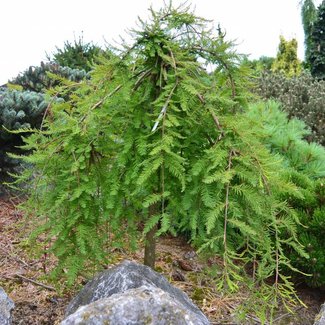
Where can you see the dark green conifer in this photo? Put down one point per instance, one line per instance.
(18, 110)
(317, 48)
(77, 55)
(308, 16)
(45, 76)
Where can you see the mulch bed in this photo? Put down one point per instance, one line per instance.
(38, 302)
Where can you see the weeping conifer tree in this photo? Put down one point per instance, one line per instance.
(155, 142)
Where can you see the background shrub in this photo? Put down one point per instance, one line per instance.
(18, 109)
(301, 97)
(287, 61)
(39, 79)
(23, 102)
(305, 167)
(317, 48)
(312, 232)
(77, 55)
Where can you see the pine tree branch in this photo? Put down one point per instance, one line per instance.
(277, 268)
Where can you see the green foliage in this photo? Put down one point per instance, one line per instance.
(312, 233)
(45, 76)
(301, 97)
(285, 137)
(22, 104)
(305, 167)
(260, 65)
(18, 110)
(17, 107)
(317, 48)
(287, 61)
(77, 55)
(154, 139)
(232, 204)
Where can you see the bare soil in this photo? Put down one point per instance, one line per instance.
(37, 301)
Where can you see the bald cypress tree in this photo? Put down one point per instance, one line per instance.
(154, 143)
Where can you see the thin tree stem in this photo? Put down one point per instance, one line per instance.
(277, 261)
(226, 207)
(150, 241)
(99, 103)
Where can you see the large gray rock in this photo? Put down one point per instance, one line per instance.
(130, 275)
(6, 306)
(320, 318)
(140, 306)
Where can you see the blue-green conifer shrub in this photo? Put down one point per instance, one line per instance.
(18, 110)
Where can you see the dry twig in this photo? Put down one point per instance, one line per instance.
(35, 282)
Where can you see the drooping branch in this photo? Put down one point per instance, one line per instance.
(223, 63)
(258, 165)
(164, 109)
(277, 263)
(99, 103)
(106, 97)
(144, 75)
(214, 117)
(47, 110)
(231, 153)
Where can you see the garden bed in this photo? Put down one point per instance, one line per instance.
(37, 301)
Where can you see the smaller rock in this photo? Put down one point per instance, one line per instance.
(185, 265)
(6, 306)
(189, 255)
(178, 276)
(320, 318)
(146, 305)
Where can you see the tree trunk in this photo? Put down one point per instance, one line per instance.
(150, 248)
(150, 242)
